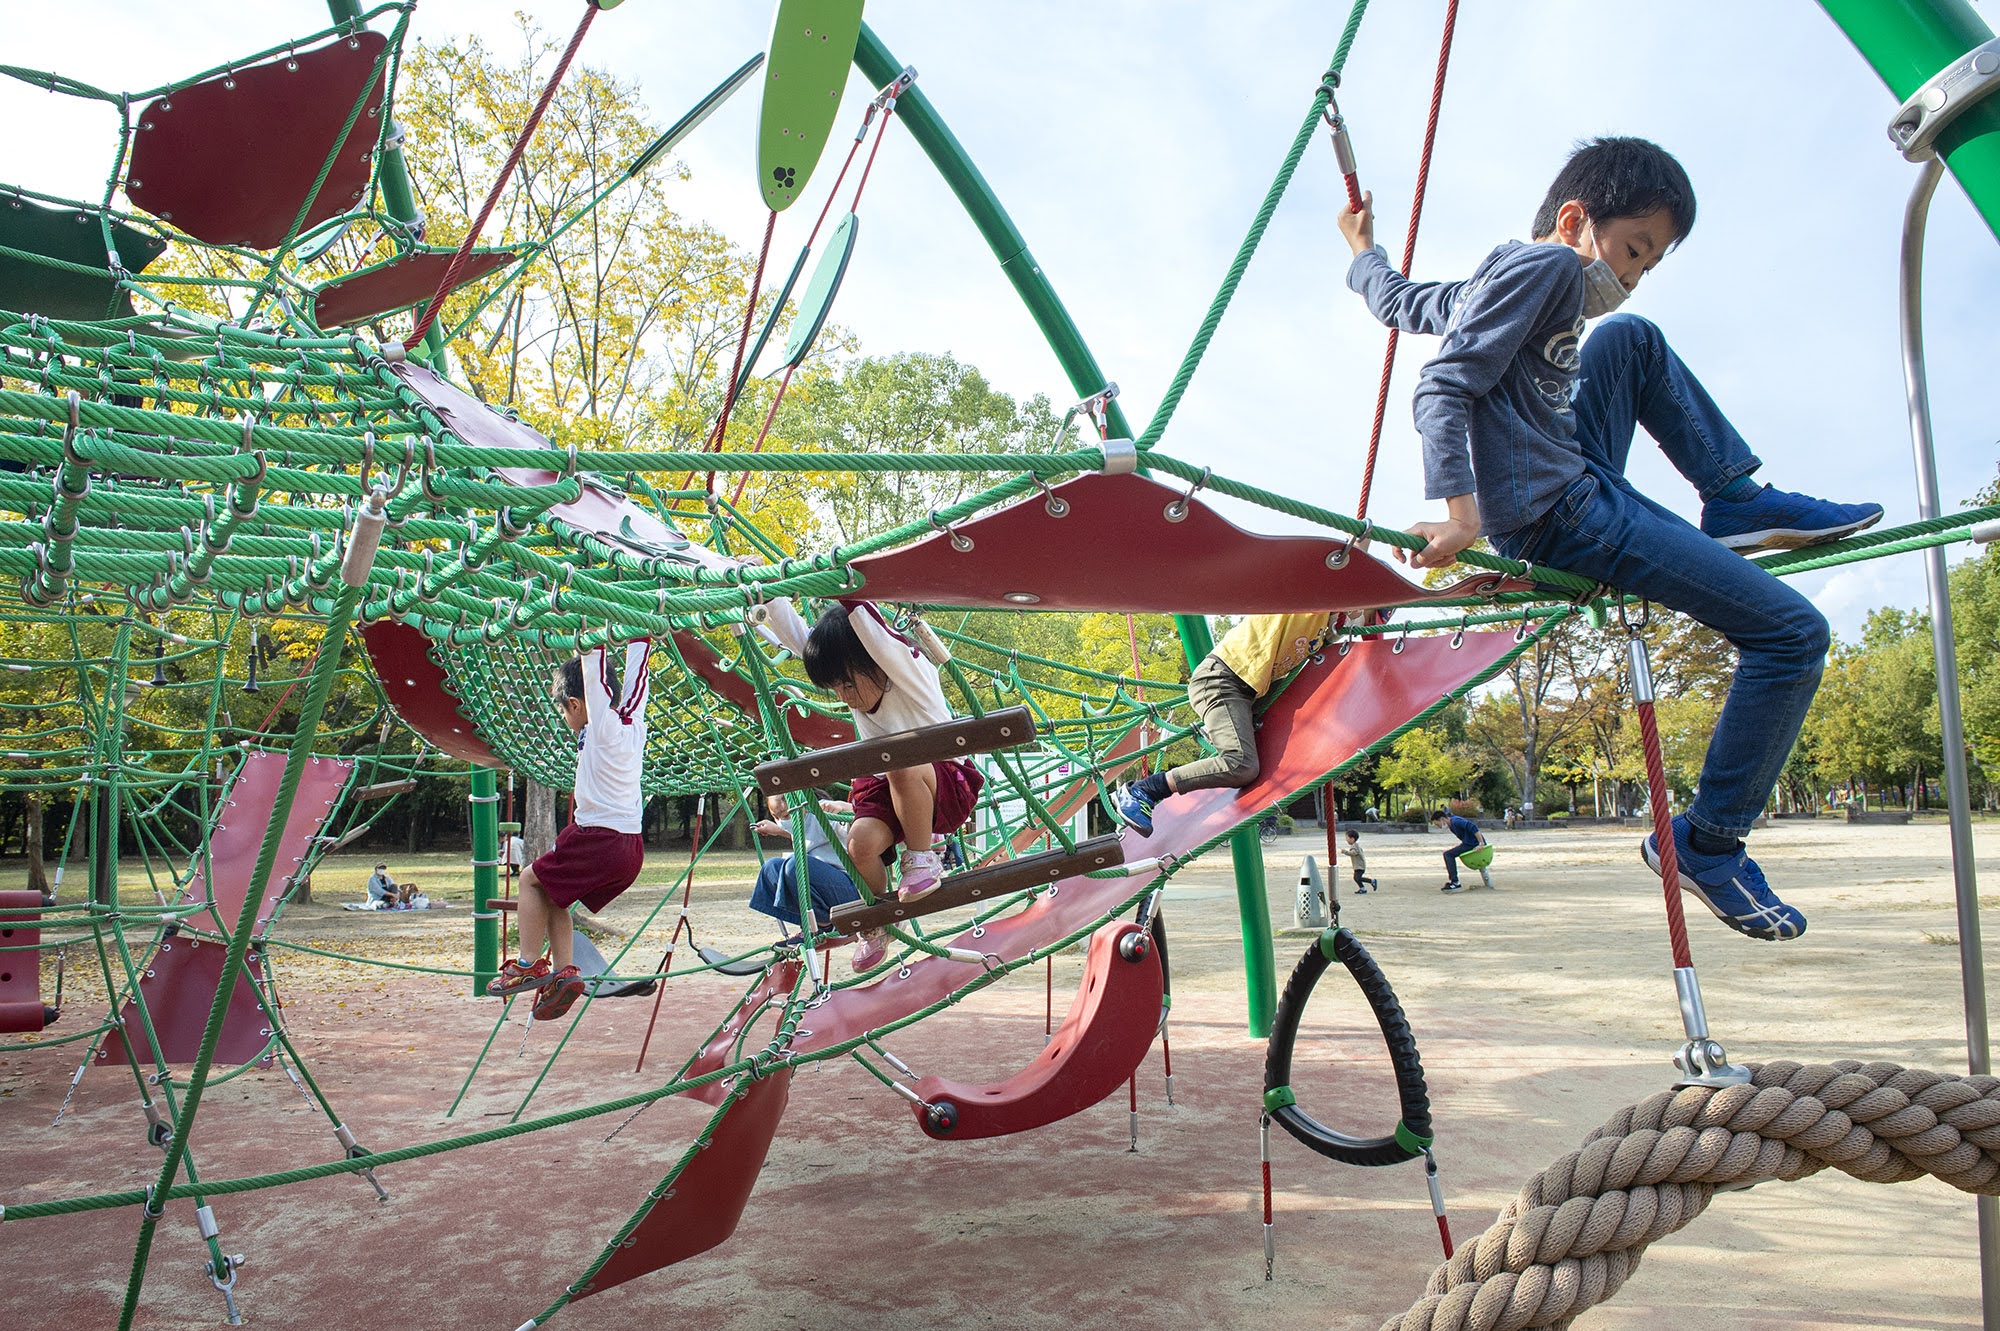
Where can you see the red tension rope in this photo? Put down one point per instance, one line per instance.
(430, 313)
(1409, 254)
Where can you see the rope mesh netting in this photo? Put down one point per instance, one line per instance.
(179, 493)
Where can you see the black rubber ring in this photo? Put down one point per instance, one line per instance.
(1409, 1068)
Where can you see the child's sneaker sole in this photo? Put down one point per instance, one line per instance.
(558, 997)
(1791, 538)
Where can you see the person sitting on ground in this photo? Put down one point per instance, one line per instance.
(777, 890)
(1526, 431)
(600, 852)
(888, 685)
(1357, 860)
(1222, 691)
(385, 893)
(1468, 835)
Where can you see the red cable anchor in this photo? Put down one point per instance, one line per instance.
(1343, 147)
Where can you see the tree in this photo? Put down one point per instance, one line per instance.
(912, 402)
(1423, 767)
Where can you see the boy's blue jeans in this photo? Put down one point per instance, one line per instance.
(1603, 528)
(1451, 858)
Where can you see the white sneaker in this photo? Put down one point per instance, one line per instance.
(921, 871)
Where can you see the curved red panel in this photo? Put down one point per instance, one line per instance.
(183, 973)
(230, 160)
(417, 689)
(398, 284)
(20, 970)
(702, 1207)
(1117, 549)
(1331, 711)
(1110, 1026)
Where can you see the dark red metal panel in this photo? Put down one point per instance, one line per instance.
(20, 962)
(701, 1208)
(1117, 549)
(420, 692)
(1331, 711)
(1111, 1024)
(403, 281)
(230, 160)
(183, 974)
(776, 983)
(811, 730)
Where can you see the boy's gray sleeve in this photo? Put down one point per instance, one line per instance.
(1414, 307)
(1492, 322)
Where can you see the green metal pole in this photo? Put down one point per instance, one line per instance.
(1908, 41)
(485, 803)
(1246, 852)
(398, 199)
(927, 127)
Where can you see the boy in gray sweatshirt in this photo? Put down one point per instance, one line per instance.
(1526, 430)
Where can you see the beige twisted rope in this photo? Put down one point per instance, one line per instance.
(1576, 1231)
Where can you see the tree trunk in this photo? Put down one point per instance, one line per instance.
(31, 839)
(538, 820)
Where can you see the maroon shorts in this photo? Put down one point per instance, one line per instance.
(590, 864)
(957, 791)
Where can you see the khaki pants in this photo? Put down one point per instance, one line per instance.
(1223, 703)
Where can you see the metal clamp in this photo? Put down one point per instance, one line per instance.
(1339, 555)
(1121, 457)
(1632, 623)
(1947, 95)
(959, 540)
(1177, 511)
(1458, 638)
(1055, 504)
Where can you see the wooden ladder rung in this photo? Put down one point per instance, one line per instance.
(995, 880)
(890, 753)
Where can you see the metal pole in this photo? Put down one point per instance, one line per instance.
(1971, 959)
(1246, 854)
(486, 858)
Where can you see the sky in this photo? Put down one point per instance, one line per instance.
(1132, 143)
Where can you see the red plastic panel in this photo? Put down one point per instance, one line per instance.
(1116, 549)
(230, 160)
(810, 729)
(183, 974)
(398, 284)
(20, 970)
(1111, 1024)
(416, 687)
(1333, 710)
(776, 983)
(702, 1207)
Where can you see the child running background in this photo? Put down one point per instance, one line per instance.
(1357, 860)
(1526, 430)
(888, 685)
(600, 853)
(1222, 690)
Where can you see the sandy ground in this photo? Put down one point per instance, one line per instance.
(1540, 1008)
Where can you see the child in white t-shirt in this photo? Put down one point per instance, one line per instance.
(600, 853)
(889, 685)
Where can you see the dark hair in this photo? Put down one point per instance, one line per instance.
(570, 676)
(1441, 813)
(1620, 177)
(834, 654)
(1353, 835)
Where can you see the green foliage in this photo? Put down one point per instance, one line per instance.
(1423, 767)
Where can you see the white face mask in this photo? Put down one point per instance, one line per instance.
(1602, 291)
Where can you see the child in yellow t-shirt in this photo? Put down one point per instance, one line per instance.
(1222, 691)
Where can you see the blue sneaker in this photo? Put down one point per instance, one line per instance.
(1135, 810)
(1731, 886)
(1780, 520)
